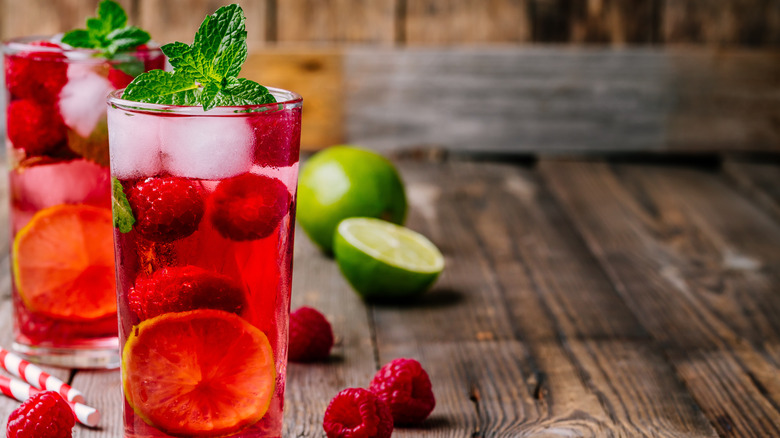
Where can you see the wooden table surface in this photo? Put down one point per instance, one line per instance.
(580, 298)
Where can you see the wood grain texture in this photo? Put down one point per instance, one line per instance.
(615, 22)
(553, 323)
(701, 286)
(441, 22)
(730, 23)
(310, 387)
(336, 21)
(561, 100)
(178, 20)
(761, 182)
(46, 17)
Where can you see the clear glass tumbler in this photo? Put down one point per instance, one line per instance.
(206, 203)
(64, 304)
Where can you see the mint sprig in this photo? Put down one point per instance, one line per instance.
(205, 72)
(108, 32)
(123, 214)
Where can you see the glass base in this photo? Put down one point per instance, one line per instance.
(102, 356)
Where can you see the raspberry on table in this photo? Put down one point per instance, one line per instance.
(311, 336)
(166, 208)
(406, 388)
(357, 413)
(36, 75)
(249, 206)
(44, 415)
(180, 289)
(35, 127)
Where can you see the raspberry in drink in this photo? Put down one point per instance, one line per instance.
(204, 270)
(64, 304)
(204, 169)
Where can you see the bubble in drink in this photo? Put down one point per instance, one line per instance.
(206, 147)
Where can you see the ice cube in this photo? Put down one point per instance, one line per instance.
(134, 144)
(71, 182)
(214, 147)
(83, 98)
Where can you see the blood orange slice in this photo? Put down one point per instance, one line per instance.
(198, 373)
(63, 263)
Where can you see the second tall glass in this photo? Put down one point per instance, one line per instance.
(64, 303)
(204, 205)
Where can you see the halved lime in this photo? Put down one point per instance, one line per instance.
(384, 261)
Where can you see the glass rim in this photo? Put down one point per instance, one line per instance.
(292, 99)
(22, 44)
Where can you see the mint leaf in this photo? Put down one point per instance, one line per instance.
(123, 214)
(205, 72)
(112, 14)
(108, 32)
(244, 92)
(80, 38)
(166, 88)
(122, 40)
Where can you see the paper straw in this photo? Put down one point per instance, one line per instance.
(37, 377)
(21, 391)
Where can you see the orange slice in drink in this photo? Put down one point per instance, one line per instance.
(198, 373)
(63, 263)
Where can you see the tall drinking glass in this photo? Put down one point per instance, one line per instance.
(64, 305)
(204, 203)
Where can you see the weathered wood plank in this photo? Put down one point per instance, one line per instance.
(595, 21)
(318, 283)
(522, 260)
(429, 22)
(178, 20)
(46, 17)
(734, 22)
(760, 180)
(562, 100)
(698, 281)
(615, 21)
(336, 21)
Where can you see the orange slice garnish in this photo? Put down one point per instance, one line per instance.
(198, 373)
(63, 263)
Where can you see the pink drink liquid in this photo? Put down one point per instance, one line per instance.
(156, 278)
(58, 157)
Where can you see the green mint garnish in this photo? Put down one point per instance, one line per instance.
(206, 72)
(123, 215)
(108, 32)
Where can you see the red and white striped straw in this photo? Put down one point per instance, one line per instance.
(21, 391)
(37, 377)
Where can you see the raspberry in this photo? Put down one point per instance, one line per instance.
(278, 138)
(357, 413)
(311, 336)
(44, 415)
(37, 128)
(166, 209)
(118, 78)
(182, 289)
(406, 388)
(36, 75)
(249, 206)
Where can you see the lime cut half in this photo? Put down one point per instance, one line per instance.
(384, 261)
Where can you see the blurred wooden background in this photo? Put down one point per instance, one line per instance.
(497, 76)
(753, 23)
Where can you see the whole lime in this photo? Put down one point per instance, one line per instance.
(342, 182)
(384, 261)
